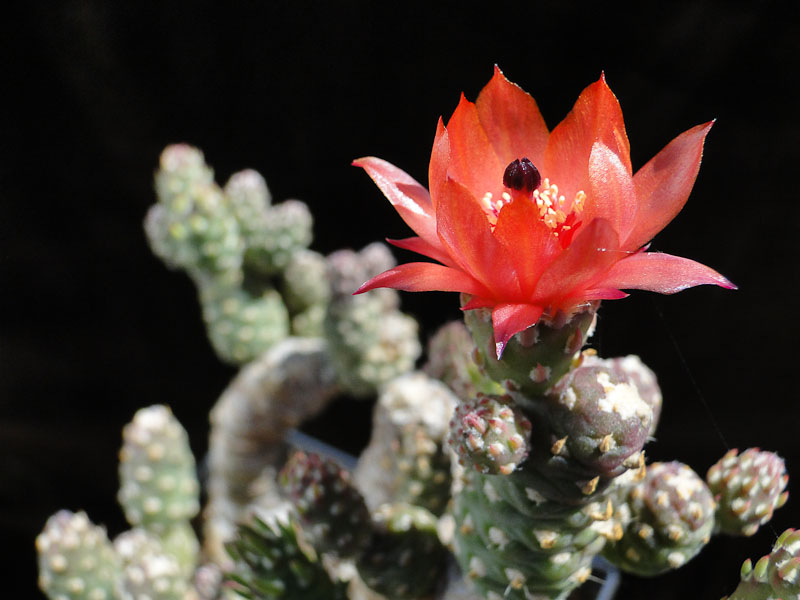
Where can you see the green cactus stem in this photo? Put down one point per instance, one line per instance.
(287, 229)
(241, 326)
(158, 481)
(149, 571)
(490, 434)
(330, 509)
(76, 559)
(671, 520)
(192, 226)
(404, 558)
(747, 487)
(407, 459)
(371, 341)
(270, 563)
(534, 359)
(775, 576)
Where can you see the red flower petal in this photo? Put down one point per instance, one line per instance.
(465, 233)
(663, 185)
(512, 120)
(420, 246)
(590, 255)
(611, 190)
(508, 319)
(529, 243)
(409, 198)
(596, 117)
(424, 277)
(440, 157)
(662, 273)
(473, 160)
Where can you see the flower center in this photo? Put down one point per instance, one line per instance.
(523, 180)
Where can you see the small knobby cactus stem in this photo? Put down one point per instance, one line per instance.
(332, 512)
(671, 520)
(149, 570)
(76, 559)
(536, 358)
(774, 576)
(747, 487)
(490, 434)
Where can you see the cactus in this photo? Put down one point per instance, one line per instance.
(775, 576)
(671, 519)
(76, 559)
(149, 570)
(271, 564)
(330, 509)
(747, 487)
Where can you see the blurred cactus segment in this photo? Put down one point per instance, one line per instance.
(76, 559)
(747, 487)
(241, 326)
(775, 576)
(271, 564)
(371, 341)
(149, 570)
(192, 226)
(158, 480)
(331, 511)
(404, 558)
(671, 520)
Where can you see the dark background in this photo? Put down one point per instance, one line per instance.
(93, 327)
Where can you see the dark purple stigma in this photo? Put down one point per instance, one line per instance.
(522, 174)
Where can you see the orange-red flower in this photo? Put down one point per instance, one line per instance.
(530, 222)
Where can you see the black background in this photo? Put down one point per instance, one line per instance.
(93, 327)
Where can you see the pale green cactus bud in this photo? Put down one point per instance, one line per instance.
(76, 559)
(331, 510)
(158, 482)
(747, 487)
(598, 419)
(490, 434)
(286, 230)
(536, 358)
(404, 558)
(242, 326)
(149, 571)
(671, 520)
(640, 375)
(271, 564)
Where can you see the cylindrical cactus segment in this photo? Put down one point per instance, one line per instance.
(534, 359)
(404, 558)
(597, 418)
(270, 564)
(287, 229)
(671, 520)
(158, 482)
(632, 369)
(774, 576)
(514, 544)
(76, 559)
(332, 512)
(490, 434)
(241, 326)
(747, 487)
(149, 570)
